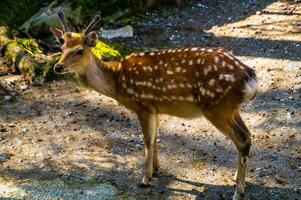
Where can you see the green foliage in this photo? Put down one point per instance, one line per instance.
(106, 7)
(30, 45)
(13, 13)
(108, 51)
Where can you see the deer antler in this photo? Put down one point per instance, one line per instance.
(63, 21)
(92, 24)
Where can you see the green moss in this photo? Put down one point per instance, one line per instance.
(29, 45)
(109, 51)
(105, 51)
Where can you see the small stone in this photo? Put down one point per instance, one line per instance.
(24, 87)
(11, 125)
(8, 98)
(258, 13)
(280, 181)
(24, 130)
(69, 113)
(4, 157)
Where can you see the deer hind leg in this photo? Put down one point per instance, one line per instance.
(148, 124)
(242, 138)
(234, 128)
(156, 164)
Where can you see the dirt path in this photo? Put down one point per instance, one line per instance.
(63, 132)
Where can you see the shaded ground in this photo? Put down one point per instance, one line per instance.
(62, 131)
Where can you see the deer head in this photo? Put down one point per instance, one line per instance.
(76, 51)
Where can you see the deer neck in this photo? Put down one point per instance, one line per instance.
(100, 77)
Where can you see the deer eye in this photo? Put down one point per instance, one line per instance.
(80, 52)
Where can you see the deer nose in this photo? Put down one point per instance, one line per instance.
(58, 68)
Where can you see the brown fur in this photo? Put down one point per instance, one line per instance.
(182, 82)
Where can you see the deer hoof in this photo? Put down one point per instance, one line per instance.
(238, 196)
(145, 182)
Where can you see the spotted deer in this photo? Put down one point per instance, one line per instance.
(183, 82)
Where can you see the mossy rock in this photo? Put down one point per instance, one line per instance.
(39, 24)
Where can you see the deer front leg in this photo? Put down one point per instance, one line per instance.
(148, 124)
(156, 164)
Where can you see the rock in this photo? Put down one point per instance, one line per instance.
(11, 125)
(123, 32)
(24, 130)
(8, 98)
(39, 24)
(4, 157)
(24, 87)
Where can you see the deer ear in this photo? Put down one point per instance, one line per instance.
(58, 34)
(92, 39)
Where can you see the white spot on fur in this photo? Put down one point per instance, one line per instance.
(224, 64)
(183, 61)
(219, 90)
(190, 62)
(211, 82)
(194, 49)
(189, 98)
(216, 59)
(130, 91)
(209, 68)
(151, 53)
(141, 54)
(169, 72)
(178, 69)
(227, 77)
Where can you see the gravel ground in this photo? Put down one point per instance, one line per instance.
(61, 131)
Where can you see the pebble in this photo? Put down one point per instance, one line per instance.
(24, 87)
(8, 98)
(24, 130)
(4, 157)
(11, 125)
